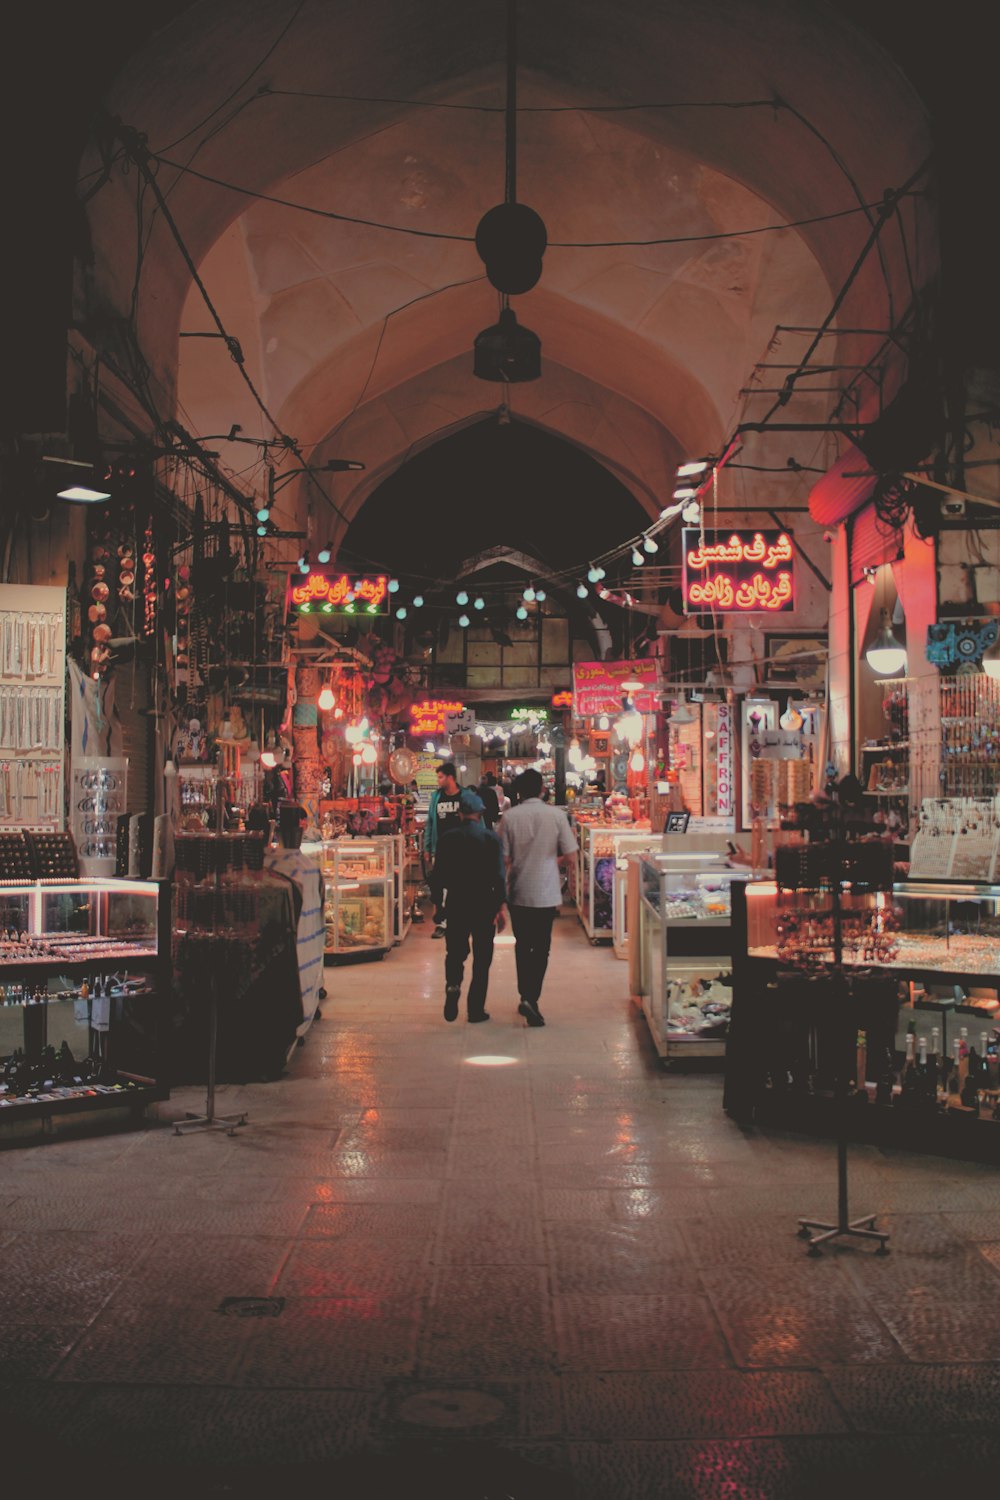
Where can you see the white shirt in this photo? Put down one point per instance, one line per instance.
(533, 836)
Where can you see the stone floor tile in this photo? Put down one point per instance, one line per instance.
(347, 1343)
(499, 1224)
(918, 1398)
(698, 1404)
(637, 1332)
(801, 1320)
(402, 1230)
(34, 1351)
(176, 1271)
(487, 1322)
(157, 1344)
(975, 1226)
(335, 1268)
(583, 1204)
(319, 1189)
(63, 1277)
(602, 1259)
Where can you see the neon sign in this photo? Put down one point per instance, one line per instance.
(322, 593)
(738, 571)
(429, 717)
(562, 700)
(530, 715)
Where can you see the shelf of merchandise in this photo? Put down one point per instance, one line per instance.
(602, 849)
(685, 939)
(931, 953)
(360, 897)
(32, 774)
(110, 935)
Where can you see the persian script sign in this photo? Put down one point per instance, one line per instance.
(738, 571)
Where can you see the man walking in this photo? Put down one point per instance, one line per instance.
(469, 866)
(536, 840)
(444, 811)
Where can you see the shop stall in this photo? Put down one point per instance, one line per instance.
(84, 984)
(683, 959)
(603, 849)
(361, 897)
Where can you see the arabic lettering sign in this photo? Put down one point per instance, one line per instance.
(597, 686)
(740, 572)
(321, 593)
(430, 716)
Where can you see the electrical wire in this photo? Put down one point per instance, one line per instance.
(525, 109)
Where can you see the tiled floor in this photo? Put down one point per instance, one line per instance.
(512, 1263)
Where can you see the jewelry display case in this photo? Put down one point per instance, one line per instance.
(360, 897)
(84, 969)
(923, 960)
(603, 849)
(32, 705)
(685, 961)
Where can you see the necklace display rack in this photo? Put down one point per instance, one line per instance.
(828, 863)
(32, 705)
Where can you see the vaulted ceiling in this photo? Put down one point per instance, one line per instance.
(324, 166)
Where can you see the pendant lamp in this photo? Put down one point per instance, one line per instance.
(886, 655)
(681, 714)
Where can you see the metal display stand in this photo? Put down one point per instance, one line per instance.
(827, 865)
(210, 1120)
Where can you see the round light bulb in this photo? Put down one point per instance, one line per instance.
(479, 603)
(303, 565)
(539, 595)
(324, 554)
(326, 700)
(649, 545)
(418, 600)
(263, 513)
(528, 594)
(401, 612)
(593, 575)
(462, 598)
(262, 531)
(522, 613)
(637, 762)
(581, 591)
(369, 755)
(637, 558)
(604, 722)
(691, 514)
(463, 620)
(393, 585)
(601, 573)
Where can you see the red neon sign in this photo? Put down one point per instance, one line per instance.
(429, 717)
(738, 571)
(326, 593)
(562, 700)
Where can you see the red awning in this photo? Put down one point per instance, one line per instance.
(843, 489)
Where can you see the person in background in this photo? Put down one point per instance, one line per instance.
(536, 840)
(469, 867)
(487, 792)
(443, 812)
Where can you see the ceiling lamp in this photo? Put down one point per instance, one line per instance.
(681, 715)
(886, 656)
(691, 514)
(461, 597)
(369, 755)
(393, 586)
(685, 492)
(581, 591)
(521, 612)
(649, 544)
(325, 553)
(529, 594)
(479, 602)
(264, 513)
(510, 240)
(464, 621)
(539, 595)
(630, 727)
(594, 574)
(401, 612)
(303, 563)
(637, 558)
(418, 600)
(326, 699)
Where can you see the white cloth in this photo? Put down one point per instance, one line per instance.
(304, 869)
(95, 729)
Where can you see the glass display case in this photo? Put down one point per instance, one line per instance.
(920, 968)
(84, 969)
(360, 899)
(685, 962)
(604, 849)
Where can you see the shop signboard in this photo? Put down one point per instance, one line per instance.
(321, 592)
(597, 686)
(724, 761)
(738, 572)
(463, 721)
(430, 715)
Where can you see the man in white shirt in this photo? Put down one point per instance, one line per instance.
(536, 840)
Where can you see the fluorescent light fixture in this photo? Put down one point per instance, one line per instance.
(489, 1061)
(696, 466)
(84, 494)
(685, 492)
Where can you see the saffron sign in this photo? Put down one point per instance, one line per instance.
(738, 571)
(725, 805)
(597, 686)
(320, 593)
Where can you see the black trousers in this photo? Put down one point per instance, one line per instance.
(463, 928)
(532, 940)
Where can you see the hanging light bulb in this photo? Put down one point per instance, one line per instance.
(262, 531)
(650, 544)
(593, 574)
(461, 597)
(691, 514)
(264, 513)
(601, 573)
(681, 714)
(401, 612)
(791, 719)
(539, 595)
(418, 600)
(637, 558)
(528, 594)
(326, 699)
(464, 621)
(604, 722)
(479, 602)
(369, 755)
(630, 727)
(886, 655)
(338, 712)
(393, 585)
(574, 754)
(325, 553)
(637, 762)
(353, 733)
(581, 591)
(521, 612)
(304, 563)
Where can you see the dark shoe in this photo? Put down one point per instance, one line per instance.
(438, 932)
(483, 1016)
(531, 1013)
(451, 995)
